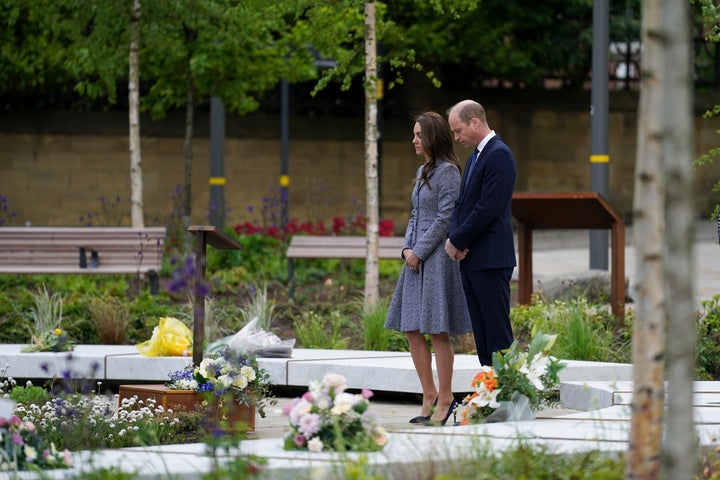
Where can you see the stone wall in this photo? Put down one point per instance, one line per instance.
(54, 166)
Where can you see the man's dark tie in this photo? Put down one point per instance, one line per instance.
(471, 165)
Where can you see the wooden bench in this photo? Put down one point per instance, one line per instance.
(83, 250)
(323, 246)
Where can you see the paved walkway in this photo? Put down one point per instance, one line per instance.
(562, 252)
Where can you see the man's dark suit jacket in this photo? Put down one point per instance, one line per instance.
(482, 219)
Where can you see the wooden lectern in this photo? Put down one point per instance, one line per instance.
(205, 234)
(569, 210)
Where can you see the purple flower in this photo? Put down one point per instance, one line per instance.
(309, 424)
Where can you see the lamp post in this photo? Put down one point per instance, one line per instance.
(599, 158)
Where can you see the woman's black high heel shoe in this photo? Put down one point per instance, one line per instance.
(422, 418)
(439, 423)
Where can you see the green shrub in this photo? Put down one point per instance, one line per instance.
(373, 332)
(29, 395)
(708, 340)
(391, 269)
(580, 337)
(585, 331)
(261, 255)
(314, 330)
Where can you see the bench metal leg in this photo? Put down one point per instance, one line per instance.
(94, 259)
(291, 279)
(154, 281)
(83, 258)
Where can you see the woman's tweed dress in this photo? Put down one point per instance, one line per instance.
(432, 299)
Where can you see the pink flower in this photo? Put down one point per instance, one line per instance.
(299, 440)
(308, 397)
(309, 425)
(67, 459)
(29, 426)
(17, 439)
(366, 393)
(289, 407)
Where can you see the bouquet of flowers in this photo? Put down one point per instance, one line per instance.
(56, 340)
(21, 448)
(516, 386)
(227, 373)
(327, 418)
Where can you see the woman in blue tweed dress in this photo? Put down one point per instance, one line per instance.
(429, 297)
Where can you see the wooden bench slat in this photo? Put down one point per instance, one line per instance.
(64, 269)
(57, 249)
(341, 247)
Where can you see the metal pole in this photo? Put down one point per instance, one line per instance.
(217, 159)
(599, 158)
(199, 301)
(284, 148)
(284, 160)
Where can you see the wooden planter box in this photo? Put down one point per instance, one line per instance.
(240, 417)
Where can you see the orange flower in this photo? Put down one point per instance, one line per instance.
(491, 384)
(486, 376)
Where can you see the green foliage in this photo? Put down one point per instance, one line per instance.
(708, 346)
(530, 460)
(29, 395)
(145, 312)
(373, 333)
(585, 332)
(105, 473)
(221, 319)
(227, 463)
(261, 259)
(583, 338)
(390, 268)
(46, 318)
(315, 330)
(259, 306)
(711, 18)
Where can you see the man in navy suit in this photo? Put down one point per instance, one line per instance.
(480, 233)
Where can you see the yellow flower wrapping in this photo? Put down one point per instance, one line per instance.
(171, 338)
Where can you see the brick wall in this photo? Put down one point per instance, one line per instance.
(54, 166)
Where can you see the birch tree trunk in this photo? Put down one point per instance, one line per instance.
(136, 180)
(372, 287)
(663, 196)
(679, 453)
(649, 230)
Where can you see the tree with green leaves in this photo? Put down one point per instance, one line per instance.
(711, 18)
(348, 32)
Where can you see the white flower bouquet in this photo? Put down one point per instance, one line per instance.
(327, 418)
(516, 386)
(226, 373)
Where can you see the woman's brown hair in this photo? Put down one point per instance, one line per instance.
(437, 141)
